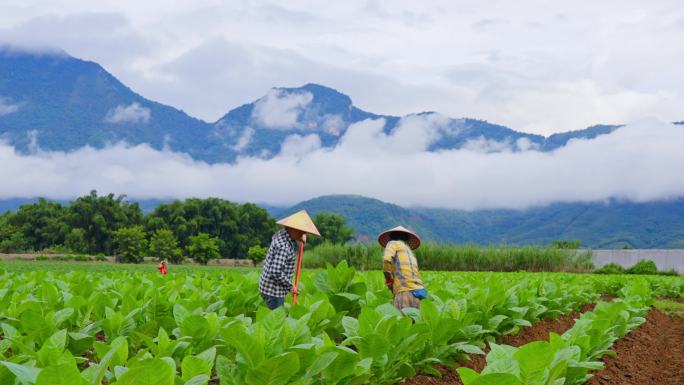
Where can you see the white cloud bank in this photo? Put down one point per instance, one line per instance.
(7, 107)
(279, 109)
(132, 113)
(639, 162)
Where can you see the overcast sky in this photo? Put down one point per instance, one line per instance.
(535, 66)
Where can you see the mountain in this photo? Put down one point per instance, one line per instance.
(598, 225)
(61, 103)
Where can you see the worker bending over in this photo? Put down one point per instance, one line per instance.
(401, 268)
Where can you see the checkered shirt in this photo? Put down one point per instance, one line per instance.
(279, 265)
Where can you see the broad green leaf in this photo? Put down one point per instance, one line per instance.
(223, 370)
(115, 349)
(201, 379)
(533, 359)
(152, 372)
(274, 371)
(194, 366)
(497, 379)
(321, 362)
(80, 342)
(374, 346)
(468, 376)
(25, 374)
(60, 375)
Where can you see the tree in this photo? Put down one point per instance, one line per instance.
(164, 245)
(42, 224)
(100, 217)
(76, 242)
(202, 248)
(256, 254)
(130, 243)
(236, 227)
(333, 229)
(15, 243)
(255, 228)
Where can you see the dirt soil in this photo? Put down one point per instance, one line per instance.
(652, 354)
(538, 331)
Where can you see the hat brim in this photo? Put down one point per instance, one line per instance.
(413, 242)
(300, 221)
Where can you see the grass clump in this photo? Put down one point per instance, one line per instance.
(670, 307)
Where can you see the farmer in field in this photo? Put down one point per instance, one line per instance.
(276, 275)
(162, 267)
(401, 268)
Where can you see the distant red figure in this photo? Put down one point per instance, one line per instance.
(162, 267)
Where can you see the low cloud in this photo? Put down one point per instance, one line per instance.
(7, 107)
(280, 109)
(244, 139)
(638, 162)
(132, 113)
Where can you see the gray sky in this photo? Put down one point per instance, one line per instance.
(536, 66)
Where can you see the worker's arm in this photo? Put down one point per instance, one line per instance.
(388, 265)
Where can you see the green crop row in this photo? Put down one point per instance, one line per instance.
(139, 328)
(566, 359)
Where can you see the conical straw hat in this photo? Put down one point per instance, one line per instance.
(300, 221)
(413, 242)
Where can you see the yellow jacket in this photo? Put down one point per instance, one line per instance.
(401, 265)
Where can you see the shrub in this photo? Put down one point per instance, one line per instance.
(256, 254)
(202, 248)
(76, 241)
(611, 268)
(643, 267)
(561, 244)
(82, 258)
(100, 257)
(42, 258)
(165, 245)
(15, 243)
(131, 244)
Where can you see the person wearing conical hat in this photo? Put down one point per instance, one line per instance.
(279, 265)
(401, 268)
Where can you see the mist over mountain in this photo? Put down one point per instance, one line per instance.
(611, 224)
(56, 102)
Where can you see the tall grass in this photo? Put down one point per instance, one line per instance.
(451, 257)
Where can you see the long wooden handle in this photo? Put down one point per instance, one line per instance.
(299, 269)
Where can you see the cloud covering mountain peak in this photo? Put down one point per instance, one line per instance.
(634, 163)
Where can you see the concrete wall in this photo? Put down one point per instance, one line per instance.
(665, 259)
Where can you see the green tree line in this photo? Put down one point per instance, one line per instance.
(201, 229)
(112, 225)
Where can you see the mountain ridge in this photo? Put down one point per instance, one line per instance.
(611, 224)
(61, 103)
